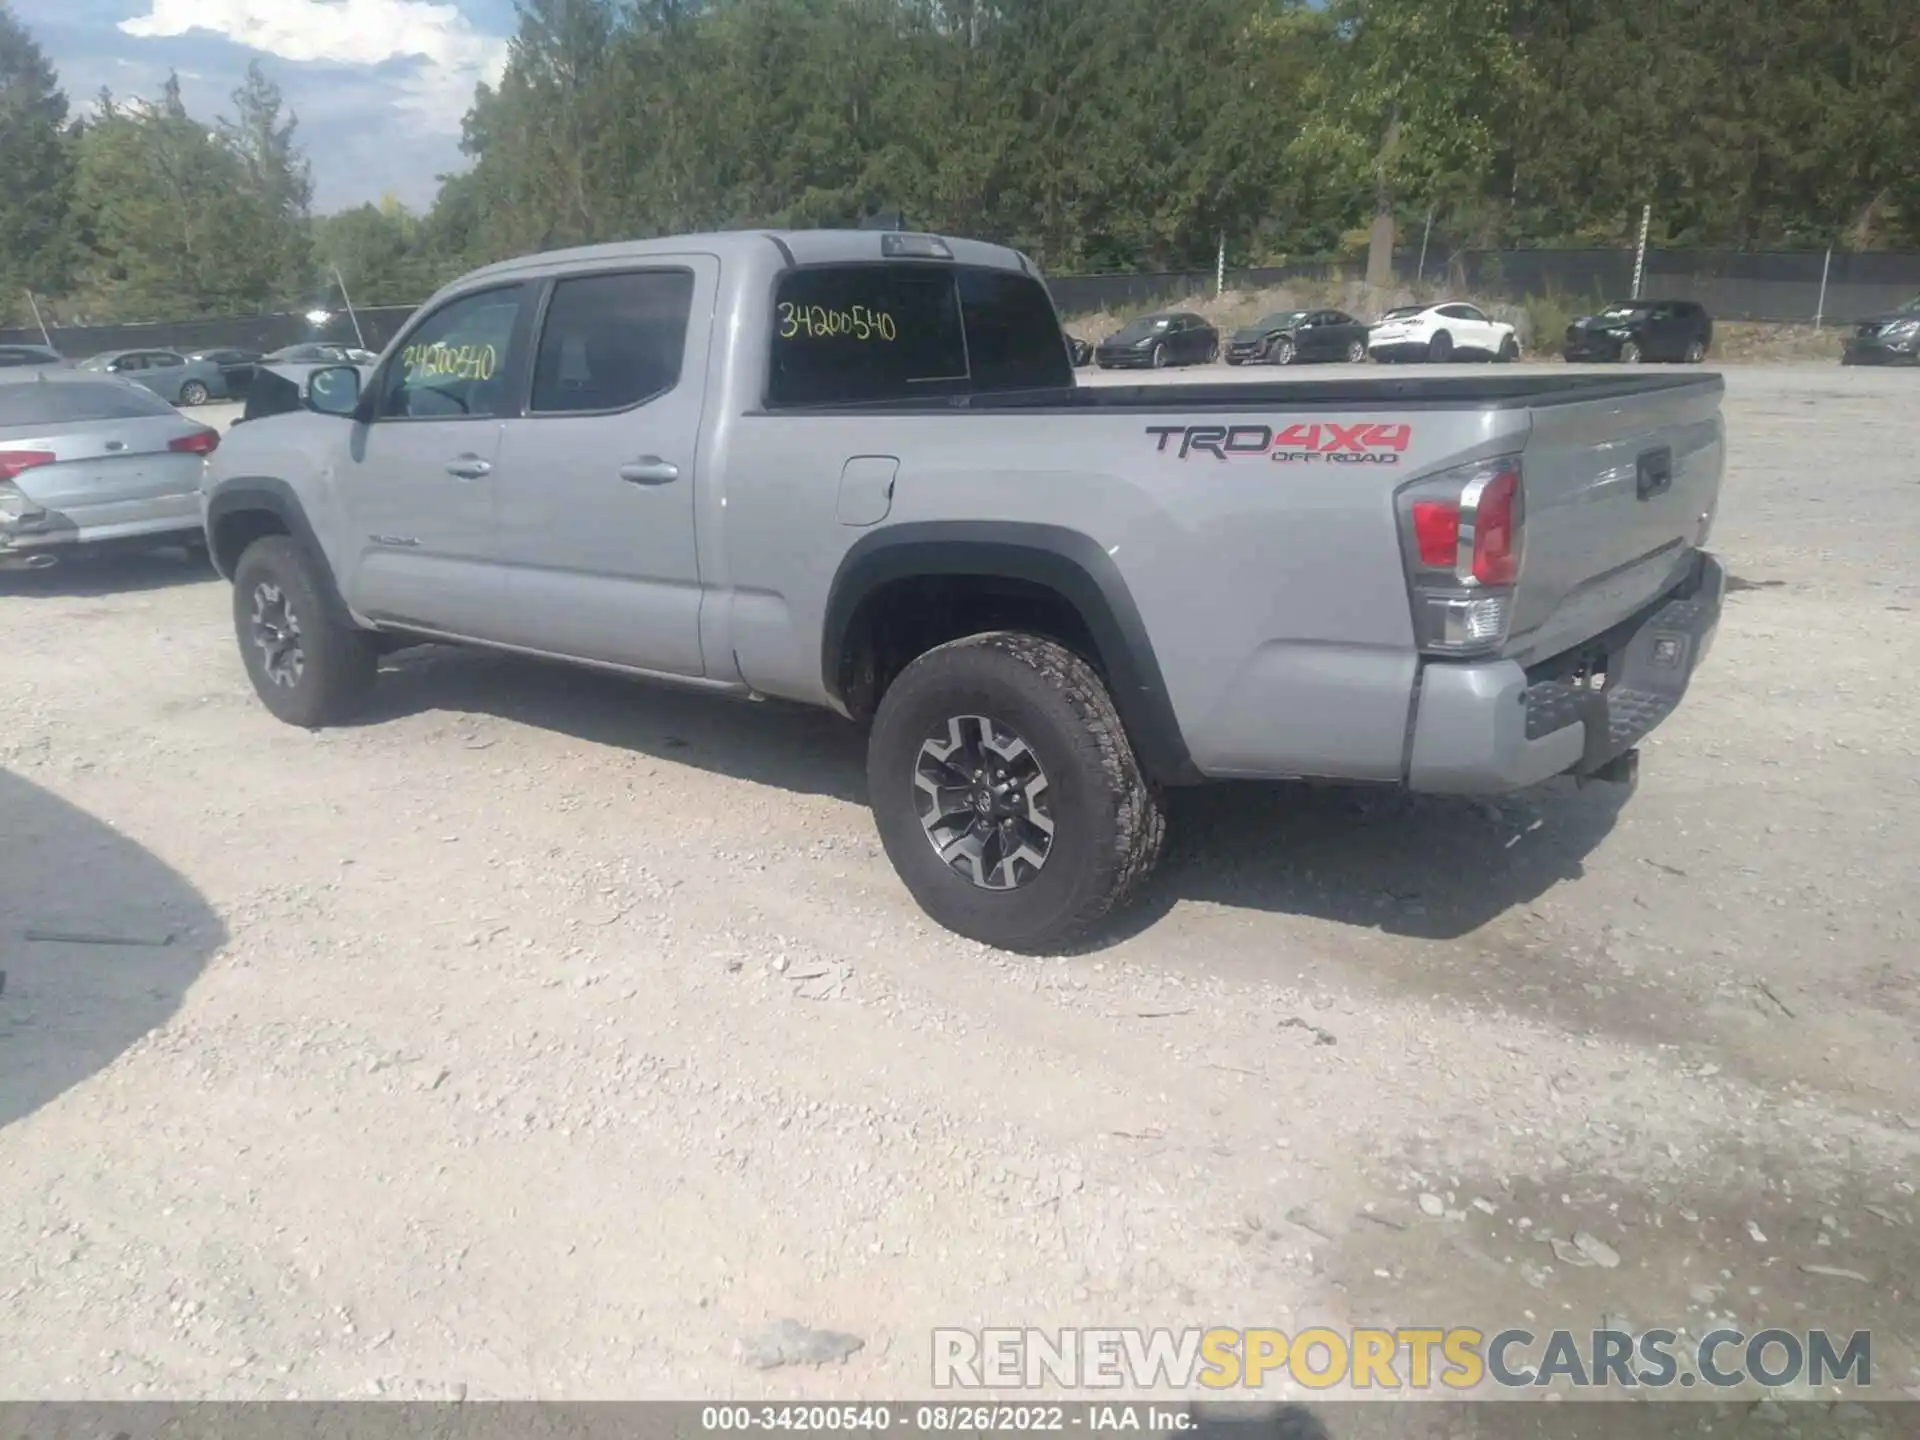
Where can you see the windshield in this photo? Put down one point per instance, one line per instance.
(1140, 329)
(1404, 312)
(59, 401)
(1280, 319)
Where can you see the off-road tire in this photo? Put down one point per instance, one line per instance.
(194, 393)
(340, 659)
(1109, 824)
(1440, 348)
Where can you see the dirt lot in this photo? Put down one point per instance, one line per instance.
(548, 1034)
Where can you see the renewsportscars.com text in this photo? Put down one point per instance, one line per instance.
(1413, 1359)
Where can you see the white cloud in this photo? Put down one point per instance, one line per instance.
(450, 56)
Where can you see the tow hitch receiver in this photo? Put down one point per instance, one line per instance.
(1623, 769)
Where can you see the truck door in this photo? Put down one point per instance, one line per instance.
(596, 478)
(418, 479)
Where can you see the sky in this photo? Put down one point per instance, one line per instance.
(379, 85)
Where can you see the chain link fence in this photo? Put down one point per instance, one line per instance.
(1784, 287)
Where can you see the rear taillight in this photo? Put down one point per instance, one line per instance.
(16, 462)
(200, 442)
(1461, 536)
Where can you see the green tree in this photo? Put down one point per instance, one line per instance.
(173, 224)
(36, 169)
(378, 252)
(261, 133)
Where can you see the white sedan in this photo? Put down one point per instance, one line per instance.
(1441, 332)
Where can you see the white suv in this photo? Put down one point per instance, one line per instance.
(1441, 332)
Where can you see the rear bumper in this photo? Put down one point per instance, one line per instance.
(1398, 349)
(57, 537)
(1492, 727)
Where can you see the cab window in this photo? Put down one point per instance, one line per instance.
(848, 334)
(612, 341)
(453, 366)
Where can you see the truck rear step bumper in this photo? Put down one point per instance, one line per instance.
(1493, 727)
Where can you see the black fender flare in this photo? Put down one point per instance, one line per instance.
(277, 498)
(1072, 565)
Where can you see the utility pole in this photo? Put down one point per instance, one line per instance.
(1820, 309)
(1220, 267)
(358, 334)
(1640, 256)
(39, 321)
(1425, 235)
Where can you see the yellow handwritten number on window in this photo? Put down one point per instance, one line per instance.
(816, 322)
(443, 361)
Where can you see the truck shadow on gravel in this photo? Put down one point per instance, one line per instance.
(1422, 866)
(99, 940)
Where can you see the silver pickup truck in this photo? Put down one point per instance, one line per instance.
(853, 469)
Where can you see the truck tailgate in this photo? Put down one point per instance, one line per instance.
(1620, 493)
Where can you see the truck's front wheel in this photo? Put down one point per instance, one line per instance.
(1006, 793)
(308, 664)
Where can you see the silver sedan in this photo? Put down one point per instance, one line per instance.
(90, 462)
(168, 373)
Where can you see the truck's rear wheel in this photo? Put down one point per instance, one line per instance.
(308, 663)
(1006, 793)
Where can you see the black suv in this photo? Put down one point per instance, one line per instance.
(1635, 330)
(1889, 339)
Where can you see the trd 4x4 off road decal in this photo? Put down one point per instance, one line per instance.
(1329, 442)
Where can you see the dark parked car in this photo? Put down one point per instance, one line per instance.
(1080, 351)
(1290, 335)
(1175, 337)
(14, 356)
(168, 373)
(236, 366)
(1889, 339)
(1634, 330)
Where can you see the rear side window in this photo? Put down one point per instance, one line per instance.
(58, 401)
(612, 341)
(1013, 339)
(850, 333)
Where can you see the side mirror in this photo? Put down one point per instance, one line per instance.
(334, 390)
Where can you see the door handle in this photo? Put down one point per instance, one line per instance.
(469, 467)
(649, 470)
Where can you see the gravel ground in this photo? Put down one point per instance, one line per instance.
(546, 1035)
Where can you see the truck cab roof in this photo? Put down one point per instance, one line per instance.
(775, 249)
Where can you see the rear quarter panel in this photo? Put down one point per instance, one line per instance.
(1269, 580)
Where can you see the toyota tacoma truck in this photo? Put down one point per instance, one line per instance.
(853, 470)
